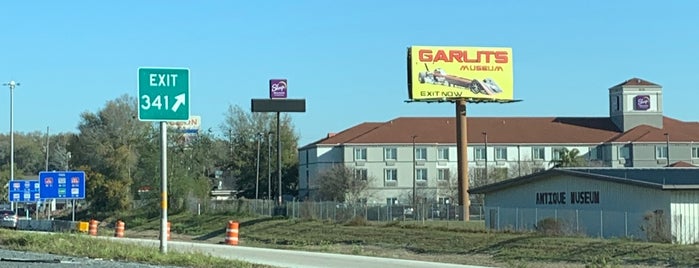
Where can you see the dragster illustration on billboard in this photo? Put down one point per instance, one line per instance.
(440, 77)
(475, 74)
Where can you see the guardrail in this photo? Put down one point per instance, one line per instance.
(47, 225)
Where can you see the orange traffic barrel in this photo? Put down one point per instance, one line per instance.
(232, 233)
(168, 231)
(93, 227)
(119, 230)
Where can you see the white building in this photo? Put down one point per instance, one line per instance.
(600, 202)
(636, 134)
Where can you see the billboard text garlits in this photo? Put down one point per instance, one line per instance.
(450, 73)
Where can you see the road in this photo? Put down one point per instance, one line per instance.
(23, 259)
(289, 258)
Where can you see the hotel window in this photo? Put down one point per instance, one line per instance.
(360, 154)
(479, 154)
(443, 153)
(538, 153)
(695, 152)
(360, 174)
(661, 152)
(500, 153)
(392, 201)
(421, 153)
(390, 154)
(421, 174)
(391, 174)
(592, 153)
(624, 152)
(443, 174)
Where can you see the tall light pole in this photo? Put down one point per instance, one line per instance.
(414, 180)
(12, 84)
(257, 169)
(485, 135)
(269, 165)
(667, 146)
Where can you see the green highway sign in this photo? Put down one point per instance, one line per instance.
(163, 94)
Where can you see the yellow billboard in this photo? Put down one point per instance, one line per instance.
(452, 73)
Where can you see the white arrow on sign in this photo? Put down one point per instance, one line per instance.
(179, 100)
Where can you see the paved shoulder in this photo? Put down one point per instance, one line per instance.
(292, 258)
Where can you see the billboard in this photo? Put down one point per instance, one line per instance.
(278, 88)
(190, 126)
(452, 73)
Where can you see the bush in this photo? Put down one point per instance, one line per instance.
(656, 228)
(357, 221)
(551, 226)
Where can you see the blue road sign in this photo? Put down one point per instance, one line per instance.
(24, 191)
(62, 184)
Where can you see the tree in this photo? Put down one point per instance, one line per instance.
(449, 187)
(341, 183)
(107, 144)
(243, 130)
(524, 167)
(569, 158)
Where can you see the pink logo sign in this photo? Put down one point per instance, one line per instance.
(277, 88)
(641, 102)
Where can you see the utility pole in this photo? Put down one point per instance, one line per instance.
(257, 169)
(485, 134)
(269, 165)
(667, 146)
(414, 181)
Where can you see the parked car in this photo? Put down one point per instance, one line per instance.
(8, 219)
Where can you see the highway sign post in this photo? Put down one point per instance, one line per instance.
(62, 184)
(163, 94)
(24, 191)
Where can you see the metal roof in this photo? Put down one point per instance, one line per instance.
(664, 178)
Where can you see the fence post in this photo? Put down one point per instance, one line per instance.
(577, 223)
(498, 219)
(601, 224)
(536, 216)
(516, 219)
(626, 224)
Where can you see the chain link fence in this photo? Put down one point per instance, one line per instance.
(340, 212)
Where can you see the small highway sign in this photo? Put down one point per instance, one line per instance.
(163, 94)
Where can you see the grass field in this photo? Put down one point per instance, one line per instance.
(441, 241)
(454, 242)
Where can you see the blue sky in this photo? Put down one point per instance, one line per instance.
(346, 58)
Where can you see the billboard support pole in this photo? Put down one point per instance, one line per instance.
(279, 158)
(462, 157)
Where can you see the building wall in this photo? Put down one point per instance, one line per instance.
(619, 211)
(313, 160)
(685, 216)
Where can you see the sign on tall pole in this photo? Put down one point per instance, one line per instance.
(163, 95)
(460, 75)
